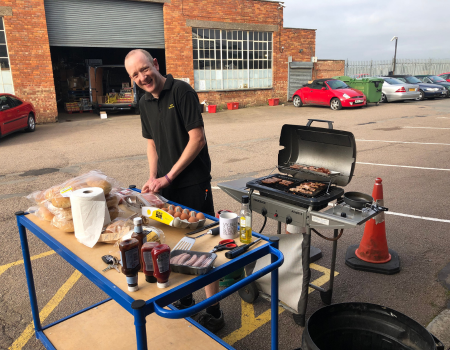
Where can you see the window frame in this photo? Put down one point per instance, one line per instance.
(239, 51)
(8, 68)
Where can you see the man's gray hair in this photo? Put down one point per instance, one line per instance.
(144, 52)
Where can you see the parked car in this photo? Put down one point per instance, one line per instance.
(425, 90)
(396, 90)
(433, 79)
(328, 92)
(445, 76)
(16, 115)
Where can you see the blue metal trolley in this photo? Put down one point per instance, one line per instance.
(158, 304)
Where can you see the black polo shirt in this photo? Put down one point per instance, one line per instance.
(167, 120)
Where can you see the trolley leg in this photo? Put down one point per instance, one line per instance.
(29, 274)
(139, 322)
(274, 299)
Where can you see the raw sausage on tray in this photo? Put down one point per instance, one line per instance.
(191, 261)
(199, 261)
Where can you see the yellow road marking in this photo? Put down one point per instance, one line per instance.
(250, 323)
(3, 268)
(60, 294)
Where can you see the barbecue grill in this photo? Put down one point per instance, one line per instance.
(327, 148)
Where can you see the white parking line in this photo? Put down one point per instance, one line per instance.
(417, 217)
(418, 143)
(423, 127)
(404, 166)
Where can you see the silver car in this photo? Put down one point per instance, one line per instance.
(396, 90)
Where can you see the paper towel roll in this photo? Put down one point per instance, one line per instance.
(90, 214)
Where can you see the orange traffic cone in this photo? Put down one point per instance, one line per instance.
(373, 253)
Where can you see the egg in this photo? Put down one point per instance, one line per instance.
(165, 209)
(171, 212)
(193, 219)
(178, 208)
(200, 216)
(186, 211)
(192, 213)
(171, 207)
(184, 216)
(177, 214)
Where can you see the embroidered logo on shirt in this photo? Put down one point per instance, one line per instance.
(171, 106)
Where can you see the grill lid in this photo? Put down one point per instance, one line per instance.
(319, 147)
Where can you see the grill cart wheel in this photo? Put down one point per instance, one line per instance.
(326, 296)
(299, 319)
(297, 101)
(335, 104)
(249, 293)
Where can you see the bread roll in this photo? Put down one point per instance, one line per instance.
(112, 200)
(44, 214)
(51, 192)
(65, 214)
(63, 225)
(97, 181)
(113, 212)
(59, 201)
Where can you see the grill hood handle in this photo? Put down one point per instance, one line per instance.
(330, 123)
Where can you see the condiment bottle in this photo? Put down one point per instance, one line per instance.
(139, 235)
(161, 264)
(146, 258)
(245, 221)
(129, 259)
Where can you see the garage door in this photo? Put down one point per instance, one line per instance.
(299, 74)
(105, 23)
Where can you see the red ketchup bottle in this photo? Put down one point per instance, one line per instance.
(129, 259)
(161, 264)
(146, 258)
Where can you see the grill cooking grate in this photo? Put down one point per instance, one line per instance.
(295, 183)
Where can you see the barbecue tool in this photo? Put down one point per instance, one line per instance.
(239, 250)
(203, 228)
(186, 243)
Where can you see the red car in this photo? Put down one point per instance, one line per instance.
(15, 115)
(329, 92)
(445, 76)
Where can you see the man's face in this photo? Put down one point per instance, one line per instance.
(144, 73)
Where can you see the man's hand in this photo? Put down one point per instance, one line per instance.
(155, 185)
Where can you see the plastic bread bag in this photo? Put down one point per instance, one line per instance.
(62, 224)
(93, 178)
(116, 230)
(41, 212)
(135, 199)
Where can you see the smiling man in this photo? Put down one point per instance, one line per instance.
(177, 152)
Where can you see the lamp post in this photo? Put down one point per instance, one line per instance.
(395, 54)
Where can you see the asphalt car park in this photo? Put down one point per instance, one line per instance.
(406, 144)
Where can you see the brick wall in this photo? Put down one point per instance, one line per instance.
(29, 54)
(328, 68)
(178, 38)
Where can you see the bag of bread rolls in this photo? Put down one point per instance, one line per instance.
(62, 224)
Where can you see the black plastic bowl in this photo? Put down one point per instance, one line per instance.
(362, 326)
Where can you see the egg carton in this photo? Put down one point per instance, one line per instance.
(166, 218)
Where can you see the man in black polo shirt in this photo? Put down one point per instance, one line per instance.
(178, 158)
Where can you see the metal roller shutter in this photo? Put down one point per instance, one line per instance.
(105, 23)
(299, 74)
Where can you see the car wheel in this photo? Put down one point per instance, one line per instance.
(297, 101)
(447, 94)
(384, 98)
(31, 123)
(335, 104)
(421, 96)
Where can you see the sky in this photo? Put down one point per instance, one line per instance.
(362, 30)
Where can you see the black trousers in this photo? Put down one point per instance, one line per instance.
(198, 197)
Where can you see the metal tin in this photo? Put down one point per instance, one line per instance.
(190, 270)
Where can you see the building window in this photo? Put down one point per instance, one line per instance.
(231, 59)
(6, 84)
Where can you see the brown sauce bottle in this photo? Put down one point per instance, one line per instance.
(140, 236)
(130, 261)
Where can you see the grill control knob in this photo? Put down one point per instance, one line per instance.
(288, 220)
(276, 215)
(264, 212)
